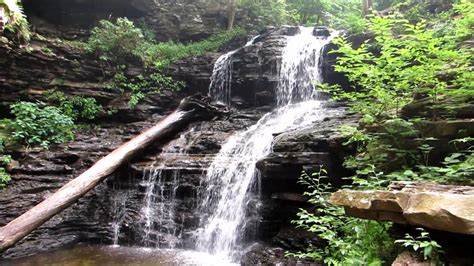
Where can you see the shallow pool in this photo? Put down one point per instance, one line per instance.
(108, 255)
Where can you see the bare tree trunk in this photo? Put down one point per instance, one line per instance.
(367, 6)
(370, 5)
(189, 110)
(232, 13)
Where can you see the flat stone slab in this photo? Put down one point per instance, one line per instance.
(440, 207)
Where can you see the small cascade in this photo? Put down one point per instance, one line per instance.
(119, 202)
(300, 67)
(232, 175)
(221, 80)
(158, 226)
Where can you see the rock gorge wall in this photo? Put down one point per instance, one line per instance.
(183, 20)
(37, 173)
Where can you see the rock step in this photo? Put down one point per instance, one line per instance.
(440, 207)
(289, 165)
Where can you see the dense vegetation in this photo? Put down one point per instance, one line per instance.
(116, 41)
(425, 60)
(339, 14)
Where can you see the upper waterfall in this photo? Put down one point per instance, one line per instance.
(221, 80)
(300, 67)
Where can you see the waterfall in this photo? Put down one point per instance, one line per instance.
(232, 174)
(221, 80)
(158, 228)
(119, 202)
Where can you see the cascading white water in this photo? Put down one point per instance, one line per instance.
(300, 67)
(221, 80)
(159, 203)
(233, 172)
(119, 202)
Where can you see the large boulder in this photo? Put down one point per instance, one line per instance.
(440, 207)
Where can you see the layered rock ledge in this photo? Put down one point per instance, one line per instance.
(440, 207)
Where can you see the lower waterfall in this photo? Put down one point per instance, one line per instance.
(158, 226)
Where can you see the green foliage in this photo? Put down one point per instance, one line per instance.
(4, 160)
(115, 41)
(110, 40)
(350, 241)
(309, 11)
(388, 154)
(47, 51)
(148, 32)
(17, 22)
(422, 244)
(266, 12)
(464, 24)
(346, 15)
(76, 107)
(404, 60)
(457, 168)
(389, 71)
(139, 86)
(35, 123)
(340, 14)
(162, 54)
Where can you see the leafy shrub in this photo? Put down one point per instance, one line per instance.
(402, 61)
(4, 160)
(165, 53)
(266, 12)
(112, 39)
(17, 20)
(350, 241)
(140, 86)
(76, 107)
(35, 123)
(148, 32)
(423, 244)
(389, 71)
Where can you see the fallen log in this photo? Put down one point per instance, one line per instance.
(189, 110)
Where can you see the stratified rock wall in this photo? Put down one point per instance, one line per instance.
(36, 173)
(183, 20)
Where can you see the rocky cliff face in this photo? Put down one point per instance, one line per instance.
(255, 68)
(182, 20)
(37, 173)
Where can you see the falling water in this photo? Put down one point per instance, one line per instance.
(221, 80)
(233, 172)
(119, 202)
(157, 214)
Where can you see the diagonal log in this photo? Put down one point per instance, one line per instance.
(189, 110)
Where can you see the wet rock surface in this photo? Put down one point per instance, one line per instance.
(264, 255)
(37, 173)
(255, 69)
